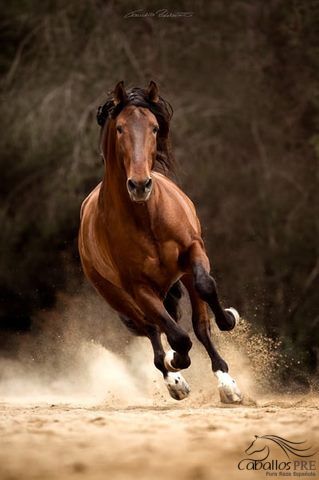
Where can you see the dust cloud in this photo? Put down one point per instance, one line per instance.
(81, 389)
(80, 353)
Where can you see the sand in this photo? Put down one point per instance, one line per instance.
(70, 408)
(169, 441)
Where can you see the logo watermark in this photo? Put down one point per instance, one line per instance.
(163, 13)
(278, 457)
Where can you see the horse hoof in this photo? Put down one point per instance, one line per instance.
(234, 313)
(228, 389)
(177, 386)
(169, 356)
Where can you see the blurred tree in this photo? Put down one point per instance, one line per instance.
(243, 79)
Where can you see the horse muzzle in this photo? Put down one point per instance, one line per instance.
(139, 191)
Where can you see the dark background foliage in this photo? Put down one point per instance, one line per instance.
(242, 77)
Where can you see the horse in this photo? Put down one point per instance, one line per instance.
(140, 239)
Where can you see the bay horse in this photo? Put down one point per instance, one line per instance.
(140, 238)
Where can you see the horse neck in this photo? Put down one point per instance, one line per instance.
(113, 190)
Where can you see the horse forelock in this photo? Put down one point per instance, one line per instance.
(161, 109)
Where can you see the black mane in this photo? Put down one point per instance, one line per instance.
(163, 112)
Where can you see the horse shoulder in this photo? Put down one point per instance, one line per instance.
(93, 247)
(95, 192)
(178, 207)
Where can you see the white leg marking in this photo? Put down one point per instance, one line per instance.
(168, 361)
(228, 389)
(177, 386)
(234, 313)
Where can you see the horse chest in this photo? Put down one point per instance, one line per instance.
(148, 258)
(144, 249)
(159, 258)
(161, 262)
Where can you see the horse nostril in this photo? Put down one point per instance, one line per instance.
(131, 185)
(139, 188)
(148, 184)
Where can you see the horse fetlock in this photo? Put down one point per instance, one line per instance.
(234, 315)
(175, 361)
(228, 389)
(219, 364)
(168, 359)
(181, 361)
(177, 386)
(227, 319)
(182, 344)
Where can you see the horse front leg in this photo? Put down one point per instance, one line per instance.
(177, 386)
(228, 390)
(179, 340)
(205, 285)
(202, 289)
(135, 320)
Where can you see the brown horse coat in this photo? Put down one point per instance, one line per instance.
(139, 235)
(164, 228)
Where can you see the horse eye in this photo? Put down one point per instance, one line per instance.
(119, 129)
(155, 129)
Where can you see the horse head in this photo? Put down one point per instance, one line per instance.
(137, 124)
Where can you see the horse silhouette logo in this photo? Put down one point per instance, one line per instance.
(260, 447)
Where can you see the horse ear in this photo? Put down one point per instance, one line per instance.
(119, 93)
(153, 92)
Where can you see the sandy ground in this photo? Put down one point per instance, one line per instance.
(77, 410)
(66, 441)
